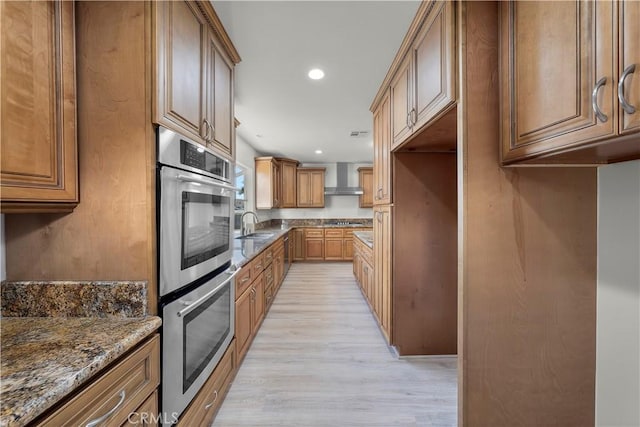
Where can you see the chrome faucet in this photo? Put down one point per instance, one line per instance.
(244, 228)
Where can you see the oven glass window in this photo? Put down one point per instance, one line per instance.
(204, 331)
(205, 227)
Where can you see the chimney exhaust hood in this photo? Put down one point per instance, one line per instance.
(342, 188)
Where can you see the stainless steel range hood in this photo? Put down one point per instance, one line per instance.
(342, 188)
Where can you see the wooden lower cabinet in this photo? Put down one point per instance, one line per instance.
(205, 405)
(329, 244)
(382, 261)
(333, 249)
(243, 321)
(297, 240)
(126, 386)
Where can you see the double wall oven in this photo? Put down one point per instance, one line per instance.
(196, 277)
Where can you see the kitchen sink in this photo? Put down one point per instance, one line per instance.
(257, 236)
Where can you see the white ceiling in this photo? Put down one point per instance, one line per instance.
(354, 42)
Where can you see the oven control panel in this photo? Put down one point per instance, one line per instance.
(197, 157)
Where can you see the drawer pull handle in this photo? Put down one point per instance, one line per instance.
(215, 397)
(594, 100)
(98, 420)
(244, 280)
(628, 108)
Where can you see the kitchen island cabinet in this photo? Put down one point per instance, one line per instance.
(39, 170)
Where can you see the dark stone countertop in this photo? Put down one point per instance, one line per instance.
(44, 359)
(365, 236)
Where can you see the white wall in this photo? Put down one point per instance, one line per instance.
(618, 301)
(334, 206)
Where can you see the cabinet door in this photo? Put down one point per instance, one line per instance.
(258, 302)
(401, 102)
(244, 321)
(289, 184)
(365, 178)
(347, 248)
(333, 249)
(38, 105)
(304, 188)
(181, 37)
(630, 54)
(276, 182)
(382, 265)
(555, 55)
(314, 249)
(381, 153)
(298, 245)
(434, 65)
(222, 120)
(317, 189)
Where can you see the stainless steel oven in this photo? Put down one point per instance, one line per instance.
(196, 204)
(197, 329)
(195, 276)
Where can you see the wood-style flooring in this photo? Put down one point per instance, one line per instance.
(319, 359)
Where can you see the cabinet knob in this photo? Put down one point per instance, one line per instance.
(594, 100)
(628, 108)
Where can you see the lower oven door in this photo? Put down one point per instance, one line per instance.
(196, 234)
(197, 329)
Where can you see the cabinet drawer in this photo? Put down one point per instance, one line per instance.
(243, 280)
(257, 266)
(333, 232)
(268, 255)
(124, 388)
(313, 232)
(210, 397)
(348, 232)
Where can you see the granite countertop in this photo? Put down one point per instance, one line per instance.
(57, 335)
(365, 236)
(244, 250)
(46, 358)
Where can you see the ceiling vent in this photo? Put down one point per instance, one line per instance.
(359, 133)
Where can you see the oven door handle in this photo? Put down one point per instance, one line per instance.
(206, 182)
(196, 303)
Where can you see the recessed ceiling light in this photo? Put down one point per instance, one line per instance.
(318, 151)
(316, 74)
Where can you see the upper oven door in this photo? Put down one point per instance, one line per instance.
(196, 233)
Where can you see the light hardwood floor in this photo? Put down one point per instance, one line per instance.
(320, 360)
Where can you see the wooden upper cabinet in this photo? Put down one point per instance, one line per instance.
(222, 118)
(424, 84)
(193, 85)
(560, 73)
(381, 153)
(276, 182)
(310, 187)
(289, 183)
(629, 59)
(39, 167)
(434, 66)
(267, 183)
(181, 85)
(365, 179)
